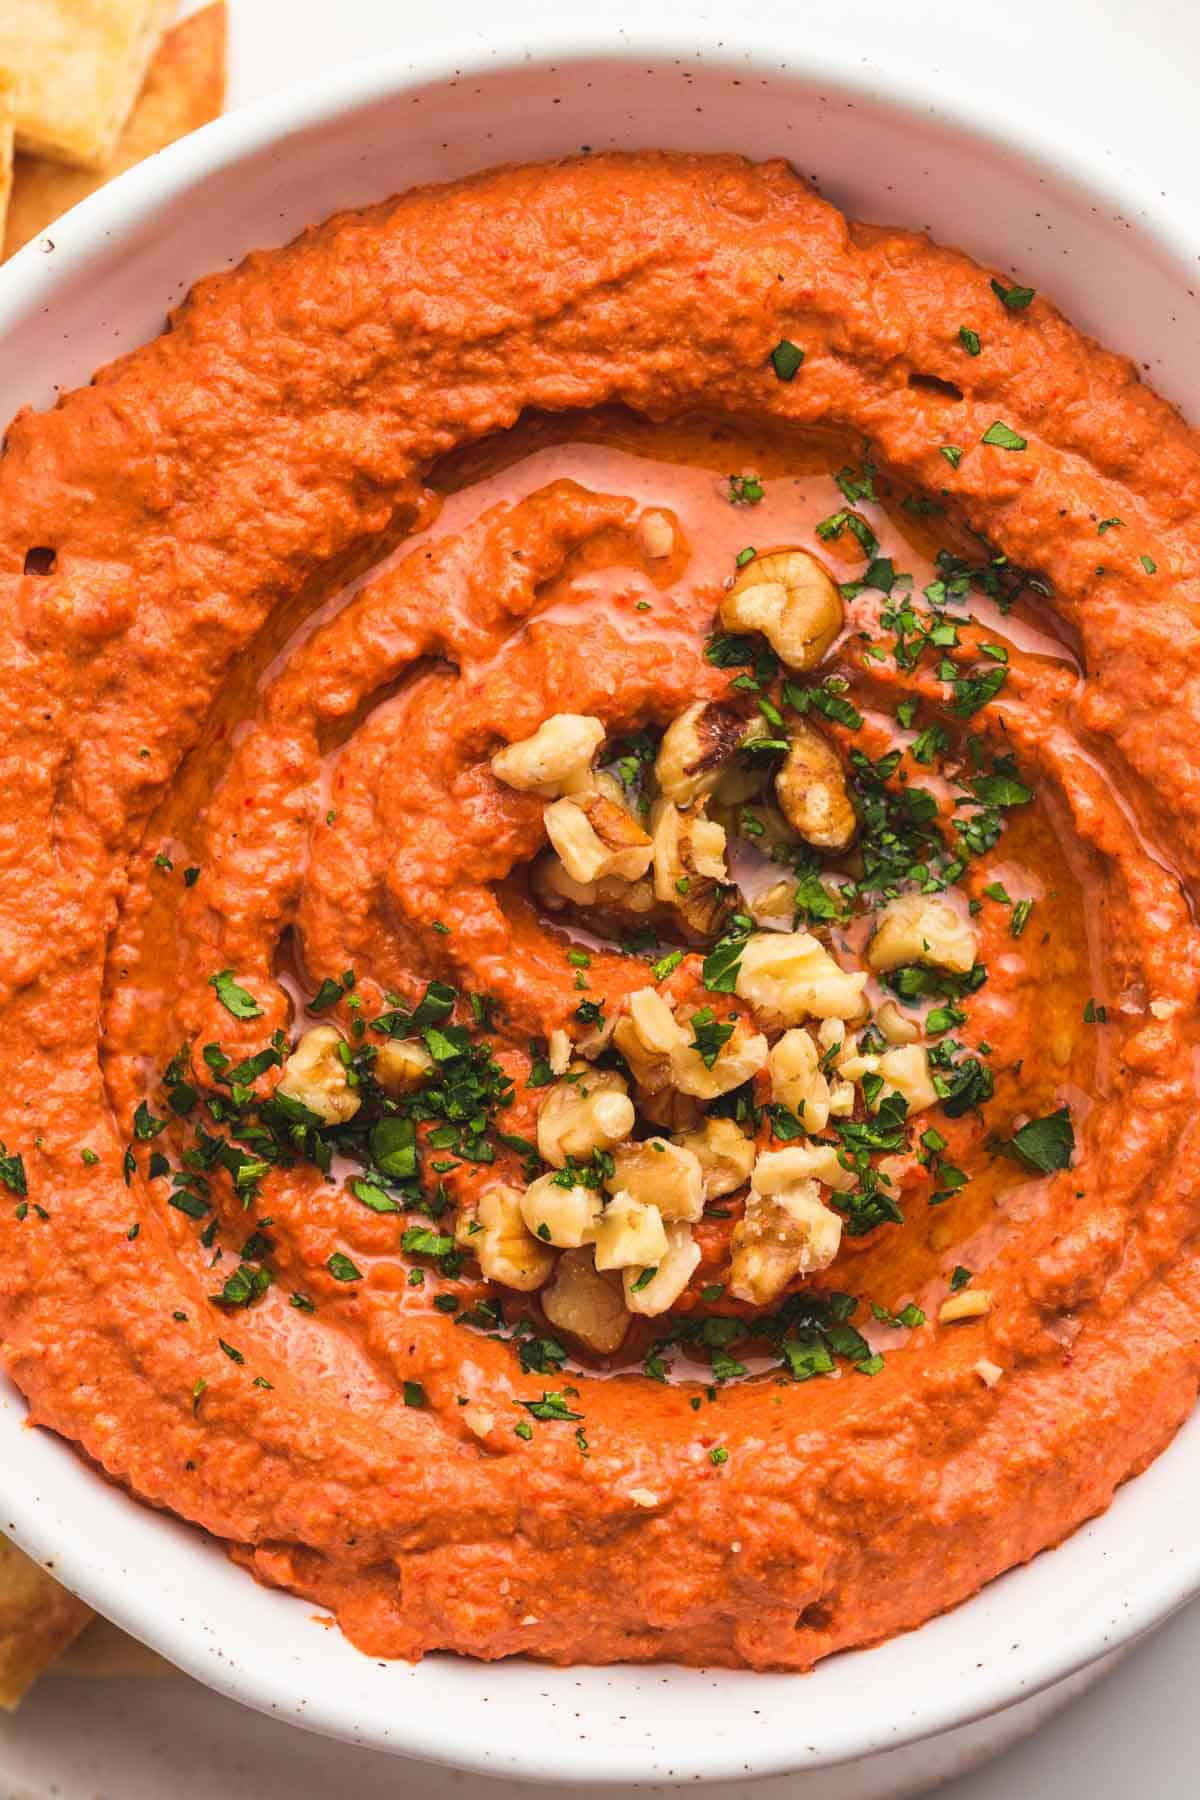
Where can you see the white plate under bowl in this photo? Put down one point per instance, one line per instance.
(883, 148)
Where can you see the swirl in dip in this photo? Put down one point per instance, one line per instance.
(598, 1010)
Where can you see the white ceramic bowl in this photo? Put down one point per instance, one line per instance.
(101, 282)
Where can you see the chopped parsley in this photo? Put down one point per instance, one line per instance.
(12, 1171)
(1045, 1145)
(374, 1197)
(1015, 298)
(745, 490)
(341, 1268)
(1020, 917)
(145, 1125)
(786, 359)
(1004, 437)
(908, 1318)
(248, 1283)
(1001, 788)
(719, 970)
(327, 995)
(540, 1355)
(236, 1000)
(550, 1406)
(419, 1240)
(710, 1035)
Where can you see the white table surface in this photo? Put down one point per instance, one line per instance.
(1123, 77)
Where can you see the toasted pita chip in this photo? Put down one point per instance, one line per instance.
(38, 1619)
(185, 88)
(8, 96)
(102, 1650)
(79, 65)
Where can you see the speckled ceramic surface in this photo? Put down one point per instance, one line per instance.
(884, 144)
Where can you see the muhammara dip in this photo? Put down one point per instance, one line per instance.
(614, 1080)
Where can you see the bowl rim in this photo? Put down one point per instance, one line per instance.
(1170, 230)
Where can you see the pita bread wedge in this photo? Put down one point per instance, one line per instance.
(184, 89)
(38, 1619)
(79, 65)
(8, 96)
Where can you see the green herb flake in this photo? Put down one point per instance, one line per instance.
(374, 1197)
(236, 1000)
(247, 1284)
(551, 1406)
(190, 1204)
(341, 1268)
(969, 340)
(719, 970)
(1045, 1144)
(786, 359)
(145, 1125)
(12, 1171)
(745, 490)
(710, 1035)
(1003, 437)
(1001, 789)
(1015, 298)
(393, 1145)
(419, 1240)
